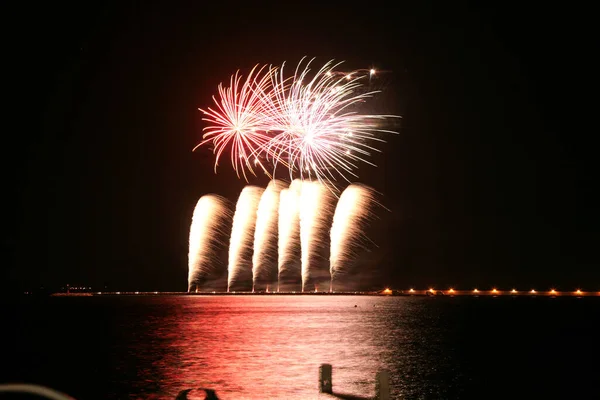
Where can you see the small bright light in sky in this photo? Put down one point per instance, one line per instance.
(514, 290)
(475, 290)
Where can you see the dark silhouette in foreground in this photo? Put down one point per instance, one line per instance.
(382, 387)
(347, 396)
(210, 394)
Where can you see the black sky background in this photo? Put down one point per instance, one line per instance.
(491, 182)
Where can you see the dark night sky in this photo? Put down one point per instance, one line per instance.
(490, 181)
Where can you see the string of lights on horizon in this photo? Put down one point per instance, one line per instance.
(493, 291)
(410, 291)
(387, 291)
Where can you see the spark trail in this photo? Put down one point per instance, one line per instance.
(320, 133)
(237, 122)
(208, 231)
(351, 214)
(316, 205)
(242, 235)
(289, 234)
(264, 259)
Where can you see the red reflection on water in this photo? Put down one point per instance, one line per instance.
(270, 347)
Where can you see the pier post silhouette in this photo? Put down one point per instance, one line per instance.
(325, 384)
(382, 385)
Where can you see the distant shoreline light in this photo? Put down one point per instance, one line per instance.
(494, 292)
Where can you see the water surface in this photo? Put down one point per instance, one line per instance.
(270, 347)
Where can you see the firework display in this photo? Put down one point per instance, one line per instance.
(280, 236)
(264, 258)
(289, 234)
(309, 122)
(352, 212)
(315, 211)
(210, 224)
(242, 236)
